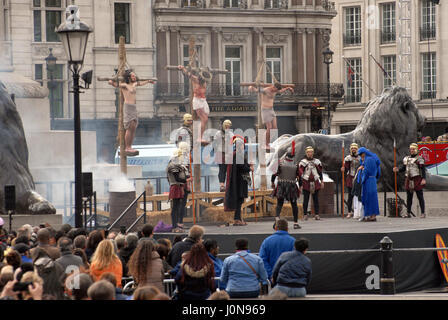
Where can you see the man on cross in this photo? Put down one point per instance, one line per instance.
(200, 105)
(267, 106)
(130, 117)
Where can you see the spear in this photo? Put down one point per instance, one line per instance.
(192, 192)
(255, 201)
(343, 179)
(395, 176)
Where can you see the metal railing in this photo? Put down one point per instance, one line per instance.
(276, 4)
(143, 194)
(181, 91)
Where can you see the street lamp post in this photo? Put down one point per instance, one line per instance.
(74, 35)
(328, 59)
(51, 65)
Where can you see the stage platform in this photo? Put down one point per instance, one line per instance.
(349, 272)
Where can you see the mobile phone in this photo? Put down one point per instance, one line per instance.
(21, 286)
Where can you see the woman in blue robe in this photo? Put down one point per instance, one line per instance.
(370, 166)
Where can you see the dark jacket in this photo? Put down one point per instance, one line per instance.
(125, 254)
(293, 269)
(178, 249)
(237, 185)
(195, 285)
(69, 259)
(53, 252)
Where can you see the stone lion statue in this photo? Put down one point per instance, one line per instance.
(14, 161)
(392, 115)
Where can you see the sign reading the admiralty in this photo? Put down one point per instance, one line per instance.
(234, 108)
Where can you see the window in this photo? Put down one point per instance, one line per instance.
(55, 84)
(273, 64)
(347, 128)
(186, 62)
(233, 64)
(122, 24)
(275, 4)
(390, 66)
(232, 3)
(388, 25)
(428, 26)
(354, 83)
(46, 18)
(38, 73)
(429, 75)
(352, 35)
(190, 3)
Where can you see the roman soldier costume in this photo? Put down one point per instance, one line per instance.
(184, 133)
(311, 179)
(415, 173)
(351, 164)
(219, 147)
(286, 189)
(177, 174)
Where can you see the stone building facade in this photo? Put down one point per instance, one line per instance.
(293, 35)
(408, 39)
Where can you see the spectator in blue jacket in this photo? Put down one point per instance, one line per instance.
(243, 272)
(273, 246)
(292, 272)
(211, 245)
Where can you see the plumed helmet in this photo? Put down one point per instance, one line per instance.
(290, 152)
(237, 137)
(226, 122)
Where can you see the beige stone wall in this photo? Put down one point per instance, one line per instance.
(101, 54)
(371, 43)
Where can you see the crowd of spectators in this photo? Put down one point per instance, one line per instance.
(41, 263)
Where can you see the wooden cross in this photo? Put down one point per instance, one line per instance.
(192, 66)
(119, 77)
(259, 85)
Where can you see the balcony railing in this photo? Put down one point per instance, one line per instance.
(241, 4)
(276, 4)
(351, 39)
(427, 95)
(427, 33)
(181, 91)
(388, 36)
(193, 4)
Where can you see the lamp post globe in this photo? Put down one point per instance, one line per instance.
(74, 34)
(328, 59)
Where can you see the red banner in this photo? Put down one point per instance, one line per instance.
(433, 153)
